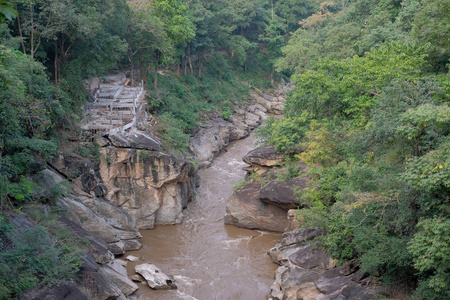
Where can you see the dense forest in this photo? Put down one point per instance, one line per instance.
(370, 116)
(369, 112)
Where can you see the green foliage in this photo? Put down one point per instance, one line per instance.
(29, 110)
(285, 133)
(290, 170)
(7, 11)
(349, 88)
(173, 139)
(31, 257)
(431, 251)
(431, 26)
(89, 150)
(430, 172)
(335, 225)
(239, 185)
(376, 136)
(181, 101)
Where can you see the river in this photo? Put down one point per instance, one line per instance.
(211, 260)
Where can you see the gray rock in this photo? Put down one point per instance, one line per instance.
(244, 209)
(135, 140)
(308, 258)
(122, 262)
(291, 244)
(263, 156)
(208, 142)
(48, 178)
(83, 173)
(281, 194)
(155, 278)
(97, 225)
(137, 278)
(309, 273)
(261, 100)
(96, 247)
(97, 286)
(126, 286)
(132, 258)
(328, 285)
(268, 97)
(151, 187)
(292, 283)
(252, 120)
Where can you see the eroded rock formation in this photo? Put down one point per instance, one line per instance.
(306, 272)
(264, 203)
(245, 209)
(150, 186)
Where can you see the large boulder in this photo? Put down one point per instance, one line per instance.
(135, 139)
(292, 283)
(262, 101)
(263, 156)
(119, 276)
(272, 104)
(103, 282)
(155, 278)
(291, 244)
(282, 194)
(244, 209)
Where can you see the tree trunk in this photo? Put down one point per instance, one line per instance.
(271, 1)
(56, 63)
(179, 65)
(155, 83)
(20, 33)
(32, 32)
(200, 65)
(189, 58)
(130, 59)
(142, 68)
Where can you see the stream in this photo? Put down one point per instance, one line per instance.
(210, 260)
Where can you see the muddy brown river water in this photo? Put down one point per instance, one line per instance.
(211, 260)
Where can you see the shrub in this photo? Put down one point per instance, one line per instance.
(31, 257)
(239, 185)
(431, 251)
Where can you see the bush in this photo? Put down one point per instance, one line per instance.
(239, 185)
(283, 134)
(431, 251)
(31, 257)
